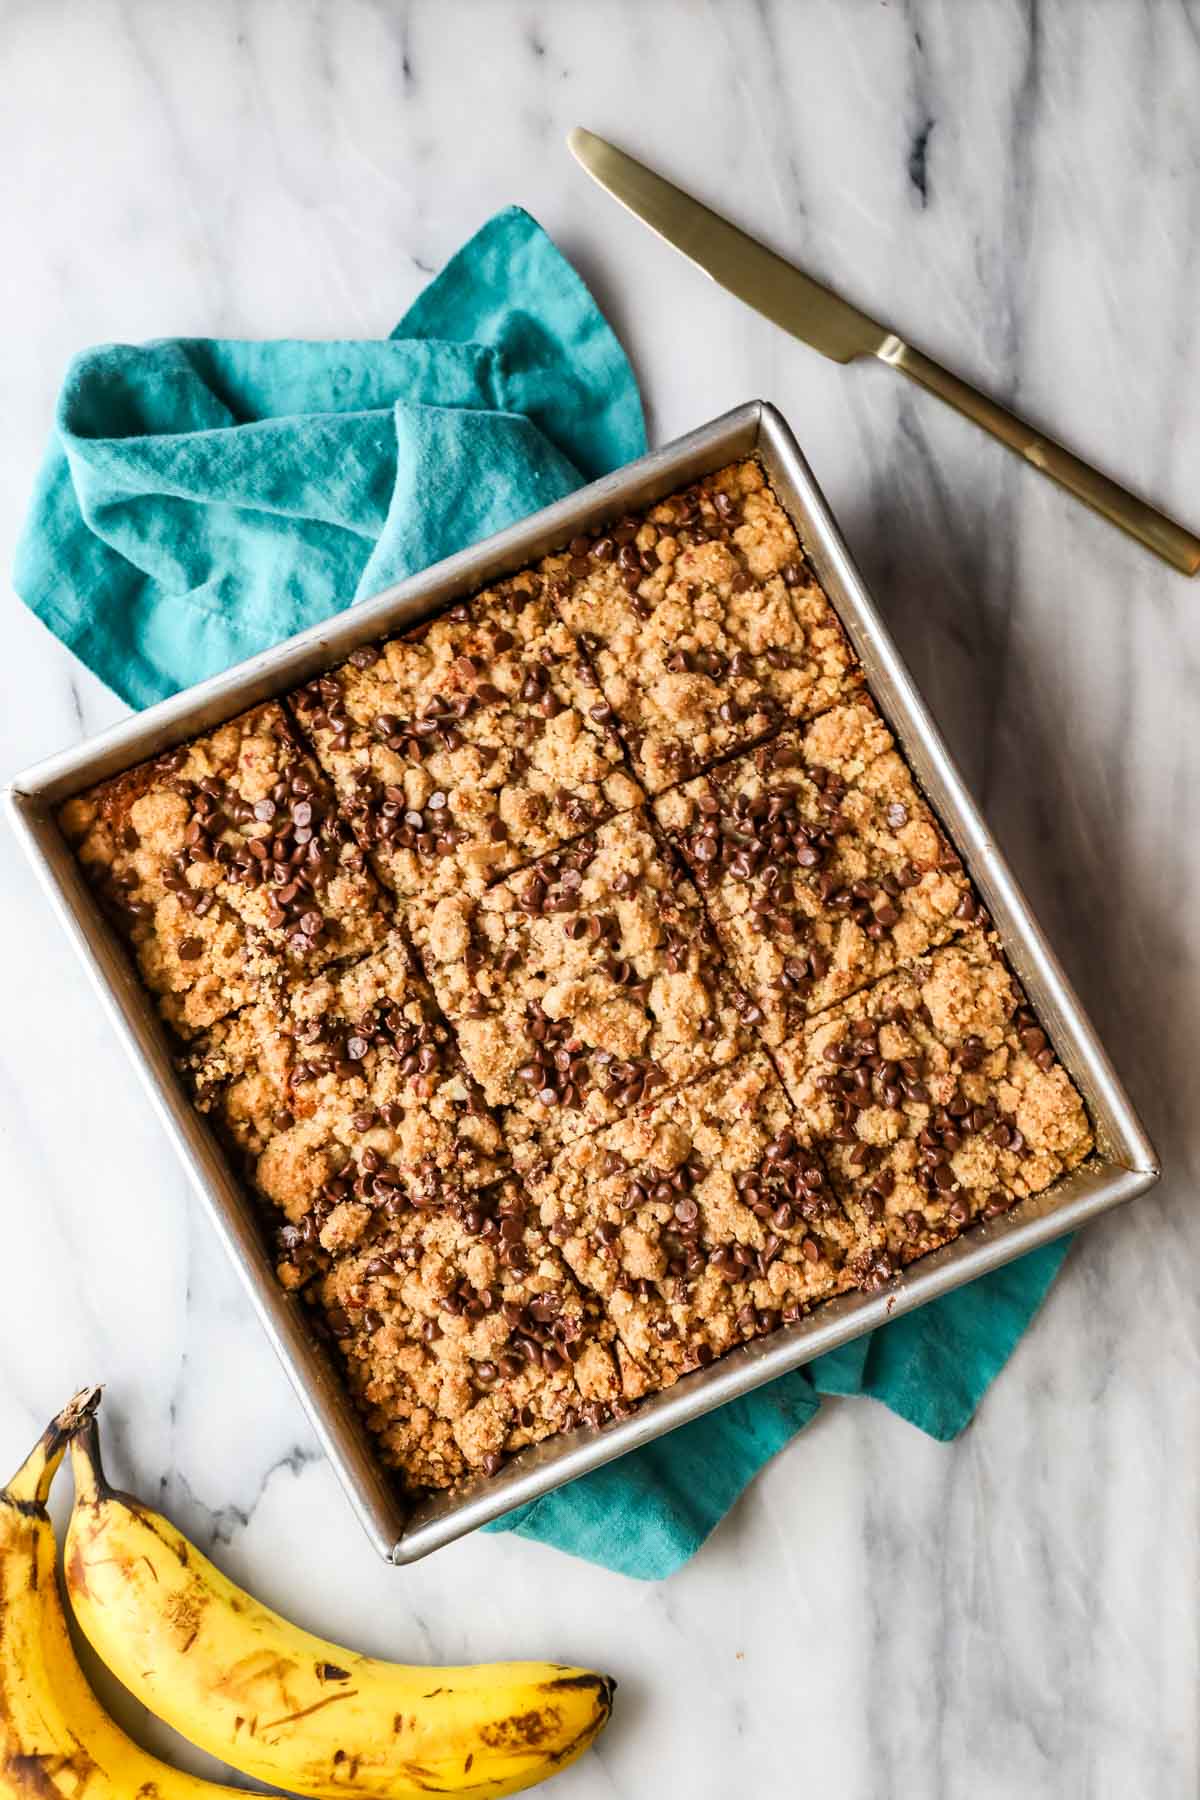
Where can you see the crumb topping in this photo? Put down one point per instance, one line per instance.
(821, 866)
(551, 1094)
(705, 625)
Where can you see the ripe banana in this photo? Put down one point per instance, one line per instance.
(55, 1738)
(289, 1708)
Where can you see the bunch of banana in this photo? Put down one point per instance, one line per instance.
(55, 1738)
(234, 1677)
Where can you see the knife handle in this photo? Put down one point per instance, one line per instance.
(1152, 528)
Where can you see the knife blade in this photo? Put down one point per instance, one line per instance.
(819, 317)
(733, 259)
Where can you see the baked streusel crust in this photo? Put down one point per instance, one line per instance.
(581, 983)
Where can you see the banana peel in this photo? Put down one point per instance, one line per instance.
(56, 1740)
(287, 1707)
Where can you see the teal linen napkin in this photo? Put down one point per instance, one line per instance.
(202, 500)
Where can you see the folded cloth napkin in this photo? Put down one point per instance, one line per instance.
(202, 500)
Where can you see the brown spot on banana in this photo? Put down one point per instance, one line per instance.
(522, 1731)
(29, 1509)
(305, 1711)
(76, 1568)
(34, 1775)
(244, 1679)
(184, 1614)
(528, 1730)
(76, 1571)
(419, 1777)
(604, 1686)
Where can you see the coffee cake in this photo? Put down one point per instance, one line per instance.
(345, 1093)
(705, 624)
(821, 866)
(226, 864)
(469, 746)
(581, 983)
(935, 1097)
(702, 1220)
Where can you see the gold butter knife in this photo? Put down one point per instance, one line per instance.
(819, 317)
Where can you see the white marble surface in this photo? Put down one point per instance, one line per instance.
(1017, 186)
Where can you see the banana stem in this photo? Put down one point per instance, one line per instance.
(30, 1486)
(86, 1466)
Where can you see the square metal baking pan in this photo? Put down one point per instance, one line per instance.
(1123, 1165)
